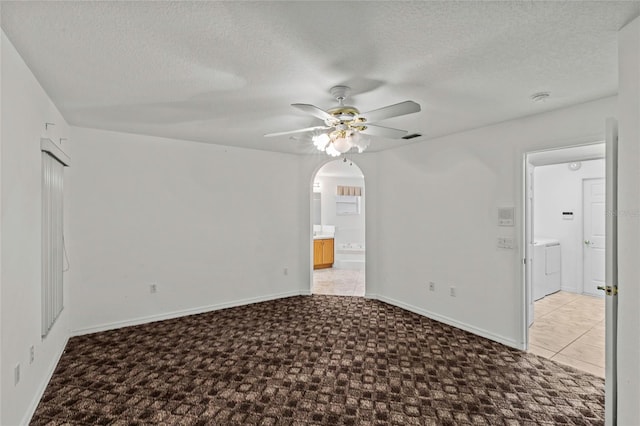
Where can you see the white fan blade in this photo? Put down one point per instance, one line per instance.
(386, 132)
(308, 129)
(406, 107)
(313, 110)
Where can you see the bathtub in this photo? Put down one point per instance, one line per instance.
(349, 256)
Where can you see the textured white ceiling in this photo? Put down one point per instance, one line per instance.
(226, 72)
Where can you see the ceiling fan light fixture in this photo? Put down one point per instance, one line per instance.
(342, 144)
(321, 141)
(340, 141)
(360, 142)
(331, 150)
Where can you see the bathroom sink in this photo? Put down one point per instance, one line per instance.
(322, 236)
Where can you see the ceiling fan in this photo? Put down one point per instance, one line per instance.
(344, 124)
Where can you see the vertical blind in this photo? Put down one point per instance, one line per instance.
(52, 243)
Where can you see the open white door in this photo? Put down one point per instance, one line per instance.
(594, 235)
(611, 273)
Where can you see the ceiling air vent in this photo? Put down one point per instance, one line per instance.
(411, 136)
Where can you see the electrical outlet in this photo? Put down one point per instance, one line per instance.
(285, 271)
(153, 288)
(32, 354)
(432, 286)
(16, 374)
(452, 291)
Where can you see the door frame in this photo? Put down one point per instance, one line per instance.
(318, 167)
(531, 160)
(610, 145)
(611, 274)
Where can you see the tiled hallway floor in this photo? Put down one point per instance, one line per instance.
(569, 328)
(338, 282)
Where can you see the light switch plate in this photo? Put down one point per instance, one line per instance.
(505, 243)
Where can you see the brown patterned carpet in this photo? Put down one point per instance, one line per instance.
(322, 360)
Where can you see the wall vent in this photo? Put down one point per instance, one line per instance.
(411, 136)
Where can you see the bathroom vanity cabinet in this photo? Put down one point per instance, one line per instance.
(323, 253)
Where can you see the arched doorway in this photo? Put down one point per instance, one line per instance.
(338, 219)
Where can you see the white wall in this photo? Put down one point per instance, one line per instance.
(450, 190)
(200, 221)
(557, 189)
(629, 224)
(349, 228)
(25, 109)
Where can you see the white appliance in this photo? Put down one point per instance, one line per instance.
(546, 267)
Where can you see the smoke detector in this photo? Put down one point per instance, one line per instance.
(575, 165)
(540, 96)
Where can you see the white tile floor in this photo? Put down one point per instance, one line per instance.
(339, 282)
(569, 328)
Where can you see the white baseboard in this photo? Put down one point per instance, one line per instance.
(43, 386)
(185, 312)
(449, 321)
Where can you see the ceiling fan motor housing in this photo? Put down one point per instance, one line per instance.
(344, 114)
(340, 92)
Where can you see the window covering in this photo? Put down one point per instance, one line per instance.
(52, 241)
(349, 190)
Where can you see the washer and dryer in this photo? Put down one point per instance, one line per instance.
(546, 267)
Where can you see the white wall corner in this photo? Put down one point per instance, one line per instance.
(454, 323)
(43, 386)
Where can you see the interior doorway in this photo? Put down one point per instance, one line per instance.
(338, 227)
(564, 240)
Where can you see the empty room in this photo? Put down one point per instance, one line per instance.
(319, 212)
